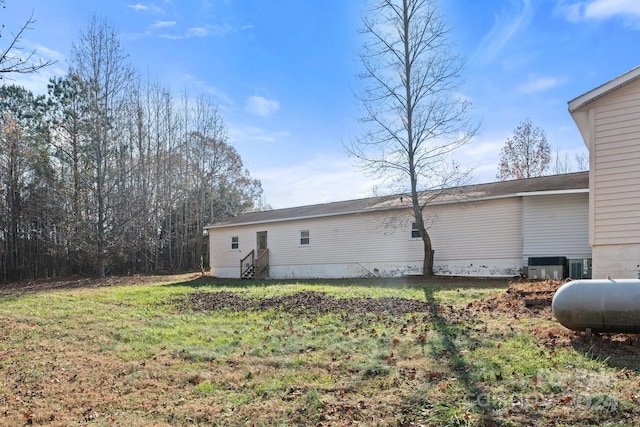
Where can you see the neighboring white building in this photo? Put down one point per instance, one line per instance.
(609, 120)
(484, 230)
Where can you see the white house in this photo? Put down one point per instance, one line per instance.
(609, 120)
(483, 230)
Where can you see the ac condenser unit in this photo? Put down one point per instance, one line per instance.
(543, 272)
(542, 268)
(580, 268)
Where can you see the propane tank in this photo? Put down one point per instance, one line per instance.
(611, 305)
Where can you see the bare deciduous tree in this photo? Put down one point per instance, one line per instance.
(13, 58)
(414, 116)
(561, 163)
(526, 154)
(101, 63)
(582, 161)
(108, 174)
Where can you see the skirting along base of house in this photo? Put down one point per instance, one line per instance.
(478, 267)
(471, 268)
(616, 261)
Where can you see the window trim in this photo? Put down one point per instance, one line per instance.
(236, 243)
(301, 238)
(415, 230)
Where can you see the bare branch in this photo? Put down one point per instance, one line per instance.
(413, 117)
(14, 60)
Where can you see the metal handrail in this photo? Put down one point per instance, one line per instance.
(246, 265)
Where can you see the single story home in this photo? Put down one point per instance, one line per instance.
(609, 120)
(496, 229)
(489, 229)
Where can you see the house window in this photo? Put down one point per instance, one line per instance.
(304, 237)
(235, 243)
(415, 233)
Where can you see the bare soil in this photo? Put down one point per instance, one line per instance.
(532, 300)
(521, 300)
(304, 302)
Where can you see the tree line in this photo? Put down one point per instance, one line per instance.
(111, 174)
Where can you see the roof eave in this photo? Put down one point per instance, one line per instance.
(298, 218)
(390, 208)
(604, 89)
(576, 106)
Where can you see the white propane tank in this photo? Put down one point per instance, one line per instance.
(611, 305)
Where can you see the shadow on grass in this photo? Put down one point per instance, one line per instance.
(459, 366)
(447, 331)
(620, 351)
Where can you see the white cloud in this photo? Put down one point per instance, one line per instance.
(537, 84)
(163, 24)
(571, 11)
(45, 52)
(603, 9)
(482, 156)
(504, 28)
(139, 7)
(35, 82)
(210, 30)
(197, 32)
(197, 85)
(319, 180)
(598, 10)
(263, 107)
(248, 134)
(219, 30)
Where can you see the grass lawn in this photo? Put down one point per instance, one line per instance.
(197, 351)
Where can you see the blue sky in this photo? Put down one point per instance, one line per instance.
(283, 72)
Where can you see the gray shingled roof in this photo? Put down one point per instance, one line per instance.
(494, 190)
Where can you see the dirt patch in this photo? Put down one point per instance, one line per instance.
(521, 299)
(619, 350)
(309, 302)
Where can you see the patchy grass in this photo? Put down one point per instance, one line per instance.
(206, 352)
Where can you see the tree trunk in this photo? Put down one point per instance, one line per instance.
(427, 264)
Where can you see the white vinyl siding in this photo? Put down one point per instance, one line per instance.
(471, 238)
(556, 225)
(477, 230)
(482, 230)
(362, 238)
(616, 175)
(347, 239)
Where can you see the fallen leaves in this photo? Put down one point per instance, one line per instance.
(308, 303)
(566, 400)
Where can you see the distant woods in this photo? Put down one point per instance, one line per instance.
(111, 174)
